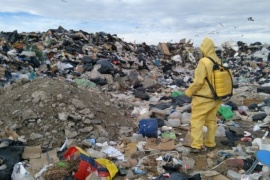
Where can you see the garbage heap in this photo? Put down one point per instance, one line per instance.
(78, 105)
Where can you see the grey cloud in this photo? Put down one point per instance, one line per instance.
(178, 17)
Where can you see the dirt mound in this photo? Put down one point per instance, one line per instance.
(47, 110)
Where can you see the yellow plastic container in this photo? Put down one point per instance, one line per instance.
(222, 82)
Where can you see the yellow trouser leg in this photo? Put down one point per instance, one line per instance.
(197, 133)
(197, 121)
(211, 124)
(203, 113)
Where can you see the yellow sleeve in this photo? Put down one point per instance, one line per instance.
(200, 74)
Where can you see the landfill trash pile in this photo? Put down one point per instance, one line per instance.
(78, 105)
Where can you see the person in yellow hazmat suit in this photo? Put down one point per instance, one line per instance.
(204, 110)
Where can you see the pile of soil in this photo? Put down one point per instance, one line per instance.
(31, 108)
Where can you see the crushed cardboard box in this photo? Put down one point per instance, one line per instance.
(159, 144)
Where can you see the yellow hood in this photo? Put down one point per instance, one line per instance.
(203, 69)
(207, 47)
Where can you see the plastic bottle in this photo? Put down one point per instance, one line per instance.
(15, 76)
(32, 75)
(266, 169)
(243, 108)
(136, 137)
(254, 176)
(185, 167)
(220, 131)
(157, 62)
(186, 118)
(233, 175)
(174, 122)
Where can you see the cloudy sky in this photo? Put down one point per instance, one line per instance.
(149, 21)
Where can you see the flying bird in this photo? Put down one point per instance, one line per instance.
(242, 35)
(250, 19)
(63, 0)
(213, 32)
(236, 27)
(221, 25)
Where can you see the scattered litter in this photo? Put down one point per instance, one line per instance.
(74, 102)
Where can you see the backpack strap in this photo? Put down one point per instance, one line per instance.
(214, 62)
(216, 65)
(212, 90)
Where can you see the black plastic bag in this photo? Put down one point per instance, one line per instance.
(162, 106)
(11, 155)
(180, 83)
(106, 66)
(35, 61)
(258, 117)
(247, 163)
(181, 100)
(99, 81)
(179, 176)
(141, 94)
(232, 104)
(232, 135)
(253, 106)
(11, 37)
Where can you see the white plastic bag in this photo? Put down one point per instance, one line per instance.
(19, 172)
(175, 115)
(266, 119)
(177, 58)
(186, 118)
(220, 131)
(267, 110)
(174, 122)
(95, 74)
(231, 45)
(191, 58)
(63, 66)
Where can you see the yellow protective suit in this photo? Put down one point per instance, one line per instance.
(203, 109)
